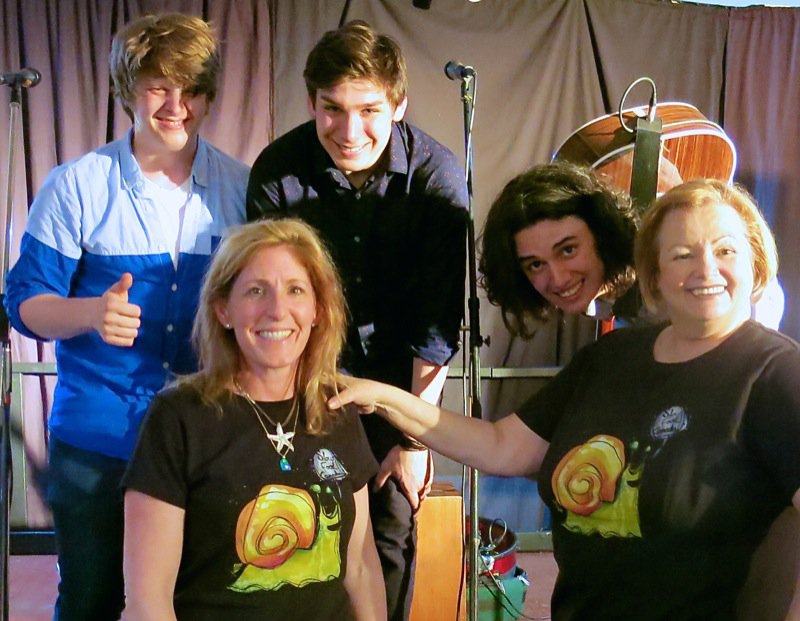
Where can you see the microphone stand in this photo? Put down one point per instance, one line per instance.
(25, 78)
(472, 404)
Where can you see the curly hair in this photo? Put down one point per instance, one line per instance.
(219, 357)
(699, 194)
(355, 51)
(182, 48)
(552, 192)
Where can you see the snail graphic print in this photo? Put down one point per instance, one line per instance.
(289, 535)
(592, 484)
(597, 483)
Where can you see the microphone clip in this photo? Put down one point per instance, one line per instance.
(457, 71)
(24, 78)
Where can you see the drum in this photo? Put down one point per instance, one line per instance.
(498, 547)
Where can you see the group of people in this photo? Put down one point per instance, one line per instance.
(207, 455)
(116, 266)
(664, 451)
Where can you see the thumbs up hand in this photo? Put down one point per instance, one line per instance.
(117, 321)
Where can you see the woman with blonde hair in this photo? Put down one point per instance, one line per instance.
(246, 498)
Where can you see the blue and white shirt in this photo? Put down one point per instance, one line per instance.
(93, 220)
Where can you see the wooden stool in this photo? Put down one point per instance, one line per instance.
(438, 581)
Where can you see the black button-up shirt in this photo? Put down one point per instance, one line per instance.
(399, 242)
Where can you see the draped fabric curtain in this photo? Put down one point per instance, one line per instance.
(762, 89)
(545, 68)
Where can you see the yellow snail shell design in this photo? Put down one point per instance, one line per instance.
(587, 475)
(272, 526)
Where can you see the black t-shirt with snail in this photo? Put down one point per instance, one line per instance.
(663, 478)
(265, 534)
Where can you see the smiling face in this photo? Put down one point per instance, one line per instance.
(559, 258)
(705, 267)
(354, 123)
(166, 119)
(271, 308)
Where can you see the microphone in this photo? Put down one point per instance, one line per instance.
(25, 78)
(456, 71)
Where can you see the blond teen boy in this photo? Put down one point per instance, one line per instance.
(111, 263)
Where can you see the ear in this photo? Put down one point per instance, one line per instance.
(653, 301)
(207, 102)
(400, 110)
(312, 111)
(221, 310)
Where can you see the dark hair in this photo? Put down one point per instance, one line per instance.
(355, 51)
(551, 192)
(181, 48)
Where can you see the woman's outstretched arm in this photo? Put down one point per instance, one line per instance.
(506, 447)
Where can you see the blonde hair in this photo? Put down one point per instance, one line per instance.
(698, 194)
(180, 48)
(219, 359)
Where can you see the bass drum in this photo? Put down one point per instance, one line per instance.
(691, 147)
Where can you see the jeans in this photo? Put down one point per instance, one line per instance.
(394, 527)
(86, 500)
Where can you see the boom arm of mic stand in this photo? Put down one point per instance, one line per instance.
(473, 403)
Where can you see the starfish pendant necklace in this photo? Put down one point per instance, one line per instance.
(281, 440)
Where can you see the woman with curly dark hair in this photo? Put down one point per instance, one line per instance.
(556, 237)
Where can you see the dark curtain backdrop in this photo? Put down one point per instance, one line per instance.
(545, 68)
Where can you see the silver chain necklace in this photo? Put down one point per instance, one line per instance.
(281, 440)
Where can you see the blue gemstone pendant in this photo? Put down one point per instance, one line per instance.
(285, 465)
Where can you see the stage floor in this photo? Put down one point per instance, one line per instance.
(32, 586)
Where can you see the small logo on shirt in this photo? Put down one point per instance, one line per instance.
(327, 466)
(669, 422)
